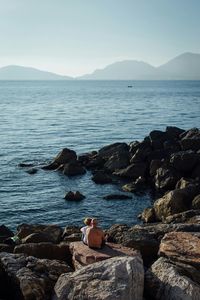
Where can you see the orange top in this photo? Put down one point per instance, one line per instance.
(95, 237)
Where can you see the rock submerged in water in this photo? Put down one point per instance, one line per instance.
(74, 196)
(117, 197)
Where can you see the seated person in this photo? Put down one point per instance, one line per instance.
(95, 235)
(87, 222)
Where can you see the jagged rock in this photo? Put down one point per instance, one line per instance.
(184, 161)
(5, 233)
(181, 247)
(154, 166)
(37, 238)
(95, 162)
(51, 166)
(166, 178)
(173, 132)
(133, 171)
(54, 232)
(166, 281)
(119, 278)
(189, 216)
(86, 157)
(141, 153)
(28, 277)
(117, 161)
(196, 202)
(6, 248)
(73, 237)
(69, 230)
(173, 202)
(184, 183)
(74, 196)
(117, 196)
(146, 238)
(73, 168)
(45, 250)
(65, 156)
(190, 144)
(113, 149)
(101, 178)
(84, 255)
(171, 146)
(157, 138)
(148, 215)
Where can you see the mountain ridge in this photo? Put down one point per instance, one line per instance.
(185, 66)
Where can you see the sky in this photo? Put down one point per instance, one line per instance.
(75, 37)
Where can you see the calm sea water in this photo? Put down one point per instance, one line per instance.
(38, 119)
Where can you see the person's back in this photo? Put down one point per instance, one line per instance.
(95, 235)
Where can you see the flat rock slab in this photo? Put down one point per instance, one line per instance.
(84, 255)
(181, 247)
(118, 278)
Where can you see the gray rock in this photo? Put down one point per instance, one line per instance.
(115, 278)
(73, 168)
(166, 281)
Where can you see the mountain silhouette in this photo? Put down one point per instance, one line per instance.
(27, 73)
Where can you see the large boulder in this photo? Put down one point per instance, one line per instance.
(167, 281)
(53, 232)
(28, 278)
(115, 278)
(133, 171)
(45, 250)
(173, 202)
(5, 233)
(113, 149)
(117, 161)
(181, 247)
(73, 168)
(166, 178)
(184, 161)
(65, 156)
(190, 216)
(173, 132)
(82, 255)
(157, 138)
(101, 177)
(146, 238)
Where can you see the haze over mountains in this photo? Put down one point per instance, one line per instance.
(183, 67)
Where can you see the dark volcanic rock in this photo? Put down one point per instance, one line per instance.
(166, 178)
(28, 278)
(133, 171)
(45, 250)
(5, 233)
(117, 161)
(113, 149)
(101, 177)
(184, 160)
(74, 196)
(73, 168)
(173, 132)
(54, 231)
(65, 156)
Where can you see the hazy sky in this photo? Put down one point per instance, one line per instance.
(74, 37)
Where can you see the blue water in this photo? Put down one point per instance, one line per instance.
(38, 119)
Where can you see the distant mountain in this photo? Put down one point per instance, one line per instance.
(26, 73)
(125, 70)
(185, 66)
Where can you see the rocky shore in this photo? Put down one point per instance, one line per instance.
(159, 259)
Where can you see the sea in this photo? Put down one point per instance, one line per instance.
(39, 118)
